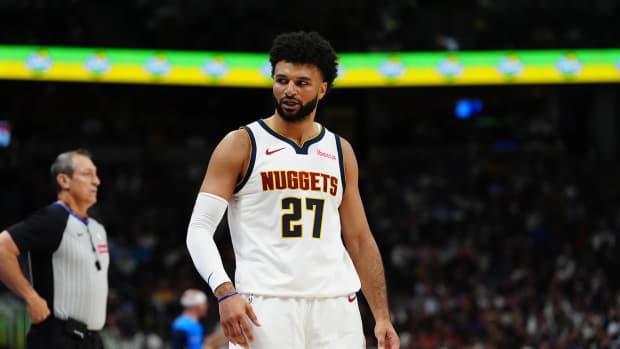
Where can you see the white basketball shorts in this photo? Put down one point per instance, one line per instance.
(306, 323)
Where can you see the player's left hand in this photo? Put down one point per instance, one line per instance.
(387, 338)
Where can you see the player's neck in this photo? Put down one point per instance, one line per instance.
(298, 132)
(80, 209)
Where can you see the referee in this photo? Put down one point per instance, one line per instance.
(68, 261)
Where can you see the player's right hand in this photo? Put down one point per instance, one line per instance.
(37, 309)
(234, 315)
(387, 338)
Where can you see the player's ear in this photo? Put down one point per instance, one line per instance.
(322, 90)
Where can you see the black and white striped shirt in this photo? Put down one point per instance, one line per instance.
(69, 258)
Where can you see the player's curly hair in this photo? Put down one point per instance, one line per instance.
(305, 48)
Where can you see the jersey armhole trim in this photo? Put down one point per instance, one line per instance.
(246, 177)
(341, 162)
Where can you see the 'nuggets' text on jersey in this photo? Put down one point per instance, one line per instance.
(299, 180)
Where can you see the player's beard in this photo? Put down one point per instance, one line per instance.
(301, 114)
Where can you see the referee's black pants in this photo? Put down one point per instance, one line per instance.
(57, 334)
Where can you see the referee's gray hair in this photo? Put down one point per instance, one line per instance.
(64, 164)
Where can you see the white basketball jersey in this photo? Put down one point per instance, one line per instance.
(284, 219)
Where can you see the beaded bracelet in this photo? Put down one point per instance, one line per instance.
(219, 300)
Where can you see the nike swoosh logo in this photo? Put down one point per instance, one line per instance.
(352, 298)
(267, 152)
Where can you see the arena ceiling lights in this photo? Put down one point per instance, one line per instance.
(357, 70)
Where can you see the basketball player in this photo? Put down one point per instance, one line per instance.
(290, 187)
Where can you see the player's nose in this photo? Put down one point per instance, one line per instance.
(291, 89)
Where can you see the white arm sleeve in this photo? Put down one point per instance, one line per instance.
(208, 212)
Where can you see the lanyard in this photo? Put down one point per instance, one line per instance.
(90, 236)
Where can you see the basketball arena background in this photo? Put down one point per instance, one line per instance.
(487, 135)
